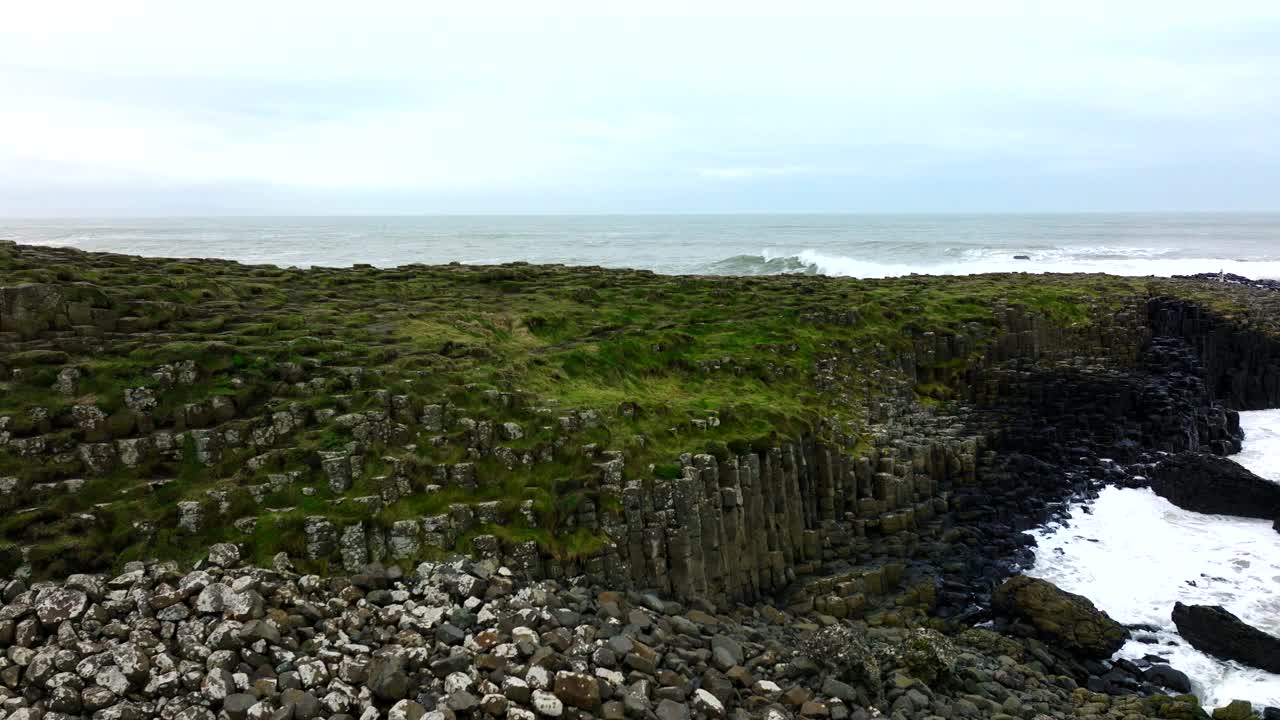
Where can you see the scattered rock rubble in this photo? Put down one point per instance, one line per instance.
(468, 639)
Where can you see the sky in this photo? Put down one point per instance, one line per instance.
(284, 107)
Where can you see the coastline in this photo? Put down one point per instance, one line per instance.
(862, 454)
(1139, 244)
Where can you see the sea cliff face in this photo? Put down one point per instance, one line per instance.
(866, 452)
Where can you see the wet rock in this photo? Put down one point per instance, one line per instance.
(1167, 677)
(1235, 710)
(1210, 484)
(1211, 629)
(1065, 619)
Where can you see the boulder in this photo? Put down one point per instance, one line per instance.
(672, 710)
(547, 704)
(726, 652)
(1064, 619)
(30, 308)
(1211, 484)
(224, 555)
(1211, 629)
(845, 652)
(387, 678)
(929, 655)
(1168, 677)
(577, 690)
(406, 710)
(1235, 710)
(59, 604)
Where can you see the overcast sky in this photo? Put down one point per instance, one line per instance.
(156, 108)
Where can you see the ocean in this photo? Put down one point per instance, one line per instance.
(1135, 554)
(841, 245)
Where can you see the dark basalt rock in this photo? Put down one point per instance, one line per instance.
(1066, 620)
(1211, 629)
(1167, 677)
(1209, 484)
(1233, 279)
(1240, 364)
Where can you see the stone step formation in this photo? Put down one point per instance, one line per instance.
(857, 453)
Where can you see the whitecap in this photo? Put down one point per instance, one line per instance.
(1261, 453)
(1135, 554)
(811, 261)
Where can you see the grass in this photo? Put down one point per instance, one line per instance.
(668, 365)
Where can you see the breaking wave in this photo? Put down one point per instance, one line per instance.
(958, 261)
(1135, 554)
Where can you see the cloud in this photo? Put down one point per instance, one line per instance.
(677, 106)
(747, 173)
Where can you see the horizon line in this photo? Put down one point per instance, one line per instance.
(748, 213)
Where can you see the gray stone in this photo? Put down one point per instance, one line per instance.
(57, 605)
(672, 710)
(321, 536)
(132, 661)
(409, 710)
(387, 679)
(237, 705)
(726, 652)
(224, 555)
(547, 704)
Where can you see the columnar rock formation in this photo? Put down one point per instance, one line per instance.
(853, 451)
(900, 443)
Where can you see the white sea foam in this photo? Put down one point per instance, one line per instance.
(843, 245)
(1135, 554)
(1261, 452)
(1115, 261)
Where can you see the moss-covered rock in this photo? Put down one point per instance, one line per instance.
(1068, 620)
(930, 656)
(576, 421)
(1178, 707)
(1236, 710)
(845, 652)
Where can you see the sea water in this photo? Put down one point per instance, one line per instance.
(838, 245)
(1135, 554)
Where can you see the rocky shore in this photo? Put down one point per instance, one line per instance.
(468, 639)
(680, 497)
